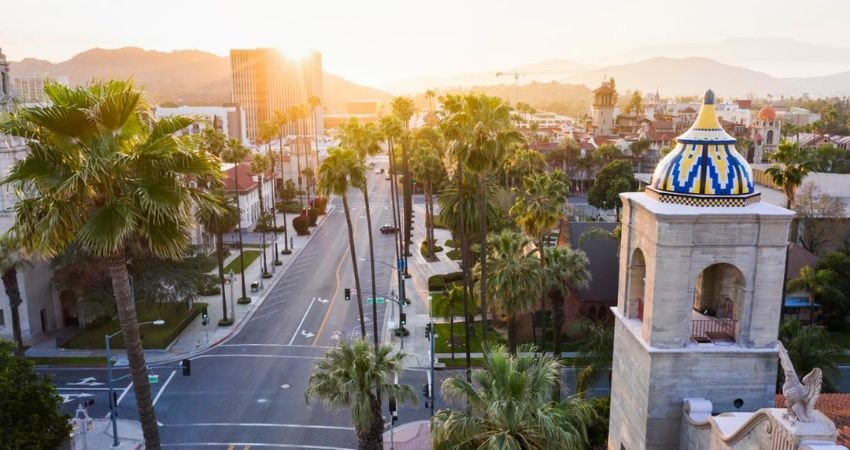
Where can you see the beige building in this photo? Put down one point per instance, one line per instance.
(5, 85)
(266, 81)
(602, 112)
(29, 89)
(701, 273)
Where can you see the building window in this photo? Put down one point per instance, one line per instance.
(2, 318)
(770, 137)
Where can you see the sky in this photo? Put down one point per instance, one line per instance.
(376, 41)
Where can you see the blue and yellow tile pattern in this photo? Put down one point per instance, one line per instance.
(704, 169)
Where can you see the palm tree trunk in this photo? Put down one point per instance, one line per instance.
(373, 438)
(557, 326)
(305, 128)
(542, 298)
(452, 328)
(429, 221)
(372, 264)
(244, 298)
(407, 190)
(13, 292)
(512, 331)
(135, 354)
(219, 256)
(482, 248)
(353, 252)
(465, 261)
(274, 206)
(298, 165)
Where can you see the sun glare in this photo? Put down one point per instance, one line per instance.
(295, 51)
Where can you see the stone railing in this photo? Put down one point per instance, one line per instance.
(709, 330)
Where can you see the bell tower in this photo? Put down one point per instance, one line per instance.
(604, 100)
(701, 272)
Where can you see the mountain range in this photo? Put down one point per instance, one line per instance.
(183, 77)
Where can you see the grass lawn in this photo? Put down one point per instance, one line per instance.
(841, 338)
(74, 361)
(248, 255)
(460, 362)
(453, 254)
(442, 344)
(176, 317)
(257, 246)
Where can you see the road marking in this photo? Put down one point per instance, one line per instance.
(90, 381)
(126, 390)
(165, 385)
(307, 334)
(268, 314)
(81, 388)
(262, 425)
(323, 300)
(275, 345)
(294, 335)
(67, 398)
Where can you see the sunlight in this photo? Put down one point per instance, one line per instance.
(297, 51)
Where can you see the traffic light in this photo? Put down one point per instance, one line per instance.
(347, 294)
(205, 317)
(403, 319)
(426, 392)
(187, 367)
(393, 409)
(428, 331)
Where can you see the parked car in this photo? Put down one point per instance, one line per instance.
(388, 229)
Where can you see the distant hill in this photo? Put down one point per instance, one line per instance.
(778, 56)
(546, 71)
(691, 76)
(185, 77)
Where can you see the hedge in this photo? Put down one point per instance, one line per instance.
(423, 248)
(301, 224)
(437, 283)
(314, 216)
(321, 204)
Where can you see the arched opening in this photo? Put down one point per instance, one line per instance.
(637, 283)
(718, 295)
(769, 137)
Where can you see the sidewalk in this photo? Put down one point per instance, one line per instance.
(100, 436)
(197, 337)
(410, 436)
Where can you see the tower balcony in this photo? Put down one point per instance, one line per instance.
(712, 330)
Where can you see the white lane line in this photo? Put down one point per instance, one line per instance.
(298, 330)
(164, 385)
(259, 356)
(126, 390)
(268, 314)
(81, 388)
(255, 444)
(270, 425)
(275, 345)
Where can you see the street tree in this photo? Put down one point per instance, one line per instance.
(235, 154)
(565, 272)
(638, 149)
(341, 170)
(810, 347)
(260, 166)
(515, 278)
(403, 108)
(828, 282)
(817, 216)
(790, 165)
(615, 178)
(217, 221)
(595, 352)
(509, 407)
(29, 406)
(428, 170)
(352, 376)
(522, 163)
(10, 263)
(120, 180)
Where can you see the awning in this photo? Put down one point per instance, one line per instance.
(799, 302)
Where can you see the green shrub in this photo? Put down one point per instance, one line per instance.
(301, 224)
(597, 430)
(438, 282)
(321, 204)
(262, 228)
(291, 207)
(313, 214)
(454, 254)
(450, 243)
(439, 223)
(208, 285)
(423, 248)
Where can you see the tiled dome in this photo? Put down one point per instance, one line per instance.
(767, 114)
(704, 169)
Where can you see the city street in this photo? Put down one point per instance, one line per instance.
(249, 390)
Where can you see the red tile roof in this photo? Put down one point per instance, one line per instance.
(246, 177)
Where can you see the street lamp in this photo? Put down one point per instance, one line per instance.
(112, 405)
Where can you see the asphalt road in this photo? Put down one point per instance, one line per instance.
(249, 391)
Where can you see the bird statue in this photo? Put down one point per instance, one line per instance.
(800, 397)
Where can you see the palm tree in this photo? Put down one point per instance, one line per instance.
(220, 220)
(429, 171)
(268, 131)
(10, 263)
(103, 175)
(346, 377)
(403, 109)
(791, 166)
(538, 209)
(293, 117)
(454, 301)
(515, 278)
(281, 120)
(314, 103)
(339, 172)
(235, 154)
(260, 165)
(490, 135)
(509, 408)
(595, 352)
(810, 347)
(565, 271)
(429, 96)
(365, 140)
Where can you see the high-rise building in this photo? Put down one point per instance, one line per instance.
(266, 81)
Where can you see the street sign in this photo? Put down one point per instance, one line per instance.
(153, 379)
(401, 264)
(378, 300)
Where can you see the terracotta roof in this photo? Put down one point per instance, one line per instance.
(798, 257)
(767, 114)
(661, 125)
(246, 177)
(689, 110)
(834, 406)
(659, 136)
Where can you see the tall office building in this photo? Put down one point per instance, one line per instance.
(265, 81)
